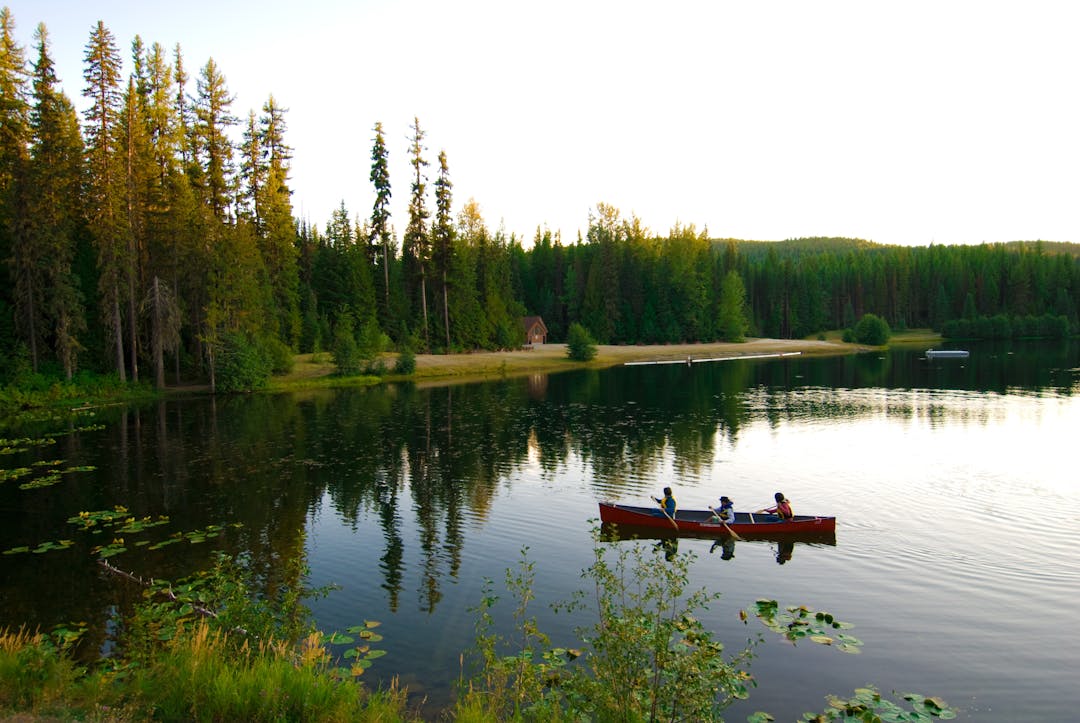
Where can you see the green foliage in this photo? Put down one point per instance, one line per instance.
(801, 623)
(200, 674)
(345, 352)
(646, 656)
(868, 705)
(372, 343)
(278, 353)
(34, 672)
(406, 361)
(1000, 326)
(732, 323)
(242, 364)
(580, 346)
(872, 330)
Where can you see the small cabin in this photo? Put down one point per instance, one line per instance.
(535, 331)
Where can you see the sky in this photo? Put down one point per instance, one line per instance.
(897, 122)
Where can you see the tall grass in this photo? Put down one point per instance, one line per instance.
(198, 676)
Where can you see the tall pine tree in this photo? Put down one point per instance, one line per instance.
(55, 214)
(105, 182)
(442, 237)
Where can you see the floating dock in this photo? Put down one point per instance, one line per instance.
(691, 360)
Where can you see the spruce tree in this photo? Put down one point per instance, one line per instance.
(278, 230)
(733, 323)
(22, 256)
(416, 246)
(54, 213)
(442, 237)
(212, 147)
(104, 195)
(380, 218)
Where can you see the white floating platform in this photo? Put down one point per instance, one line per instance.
(947, 354)
(692, 360)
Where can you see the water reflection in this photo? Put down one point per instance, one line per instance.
(422, 466)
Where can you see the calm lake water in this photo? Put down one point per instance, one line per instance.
(954, 482)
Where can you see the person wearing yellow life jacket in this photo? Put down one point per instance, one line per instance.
(726, 511)
(668, 503)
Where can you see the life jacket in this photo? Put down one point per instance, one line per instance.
(664, 504)
(727, 513)
(784, 510)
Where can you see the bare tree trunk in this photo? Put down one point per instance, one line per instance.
(155, 338)
(31, 329)
(446, 312)
(423, 304)
(132, 321)
(118, 331)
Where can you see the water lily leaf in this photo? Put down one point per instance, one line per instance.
(17, 550)
(823, 639)
(339, 639)
(846, 648)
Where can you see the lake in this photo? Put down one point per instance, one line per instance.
(954, 484)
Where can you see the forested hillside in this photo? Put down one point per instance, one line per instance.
(153, 236)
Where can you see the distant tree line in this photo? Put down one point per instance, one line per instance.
(141, 236)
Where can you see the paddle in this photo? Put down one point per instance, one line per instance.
(730, 531)
(662, 509)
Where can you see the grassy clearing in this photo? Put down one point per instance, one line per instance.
(317, 370)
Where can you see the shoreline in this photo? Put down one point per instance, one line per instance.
(316, 370)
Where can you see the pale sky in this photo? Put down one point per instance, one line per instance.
(898, 122)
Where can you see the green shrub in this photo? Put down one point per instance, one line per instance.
(345, 352)
(241, 365)
(406, 361)
(580, 346)
(280, 355)
(872, 330)
(372, 342)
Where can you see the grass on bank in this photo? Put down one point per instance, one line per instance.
(318, 370)
(197, 676)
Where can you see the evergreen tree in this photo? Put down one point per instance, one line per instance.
(212, 148)
(380, 218)
(106, 179)
(600, 307)
(416, 246)
(733, 323)
(54, 212)
(278, 237)
(471, 330)
(138, 175)
(442, 236)
(14, 139)
(252, 173)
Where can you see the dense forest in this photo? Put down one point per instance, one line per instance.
(156, 232)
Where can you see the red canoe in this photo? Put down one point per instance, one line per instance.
(703, 522)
